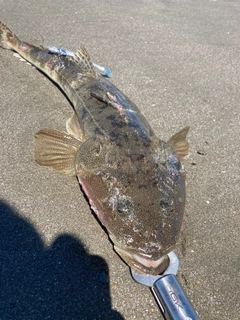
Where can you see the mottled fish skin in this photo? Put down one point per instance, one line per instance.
(134, 181)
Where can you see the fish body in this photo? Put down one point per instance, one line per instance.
(133, 180)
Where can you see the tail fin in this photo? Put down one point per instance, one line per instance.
(7, 39)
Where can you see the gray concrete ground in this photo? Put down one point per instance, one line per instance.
(180, 62)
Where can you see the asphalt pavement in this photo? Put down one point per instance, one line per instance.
(179, 62)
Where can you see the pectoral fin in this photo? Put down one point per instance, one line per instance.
(179, 144)
(56, 149)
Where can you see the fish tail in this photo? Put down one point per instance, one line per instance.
(8, 40)
(37, 56)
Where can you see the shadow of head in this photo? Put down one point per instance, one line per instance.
(58, 282)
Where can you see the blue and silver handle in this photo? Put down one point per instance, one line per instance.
(62, 52)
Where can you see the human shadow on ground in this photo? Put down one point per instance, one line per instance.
(58, 282)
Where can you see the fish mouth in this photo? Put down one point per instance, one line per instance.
(143, 263)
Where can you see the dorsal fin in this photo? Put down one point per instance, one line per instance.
(179, 144)
(83, 60)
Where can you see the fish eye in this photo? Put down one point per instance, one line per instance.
(166, 206)
(124, 207)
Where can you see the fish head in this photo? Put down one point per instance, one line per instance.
(148, 214)
(140, 200)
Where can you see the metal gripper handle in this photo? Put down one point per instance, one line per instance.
(172, 300)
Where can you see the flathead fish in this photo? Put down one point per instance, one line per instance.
(133, 180)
